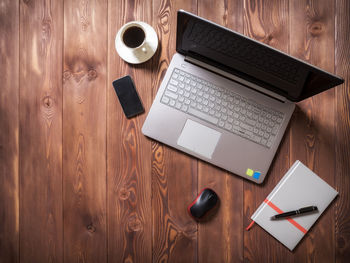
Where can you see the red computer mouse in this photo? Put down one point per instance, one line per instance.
(206, 200)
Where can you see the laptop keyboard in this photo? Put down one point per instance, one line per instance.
(222, 108)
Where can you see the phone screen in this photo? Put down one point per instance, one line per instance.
(128, 97)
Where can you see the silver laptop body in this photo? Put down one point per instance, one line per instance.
(218, 117)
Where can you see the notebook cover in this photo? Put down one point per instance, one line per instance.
(299, 187)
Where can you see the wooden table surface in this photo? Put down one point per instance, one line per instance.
(80, 183)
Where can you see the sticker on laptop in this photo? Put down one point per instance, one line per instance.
(252, 173)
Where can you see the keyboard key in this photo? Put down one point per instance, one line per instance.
(256, 139)
(218, 114)
(174, 82)
(199, 99)
(251, 122)
(184, 108)
(171, 95)
(269, 143)
(165, 100)
(228, 126)
(172, 88)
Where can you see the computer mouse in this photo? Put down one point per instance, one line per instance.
(206, 200)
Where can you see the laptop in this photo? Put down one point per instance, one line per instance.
(227, 99)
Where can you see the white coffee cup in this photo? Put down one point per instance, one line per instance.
(136, 42)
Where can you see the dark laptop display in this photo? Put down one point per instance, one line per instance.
(250, 59)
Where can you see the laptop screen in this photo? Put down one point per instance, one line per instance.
(250, 59)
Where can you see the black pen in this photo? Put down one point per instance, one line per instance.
(303, 210)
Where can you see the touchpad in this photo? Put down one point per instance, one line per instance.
(199, 138)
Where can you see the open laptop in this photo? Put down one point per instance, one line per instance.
(227, 99)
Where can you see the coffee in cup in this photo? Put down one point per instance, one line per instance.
(136, 42)
(133, 36)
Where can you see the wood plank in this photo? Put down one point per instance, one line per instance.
(84, 131)
(220, 239)
(267, 22)
(342, 109)
(40, 135)
(9, 188)
(174, 175)
(129, 152)
(312, 134)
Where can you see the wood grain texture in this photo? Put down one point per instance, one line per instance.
(221, 237)
(267, 22)
(40, 135)
(174, 175)
(80, 183)
(84, 131)
(342, 140)
(313, 128)
(129, 152)
(9, 188)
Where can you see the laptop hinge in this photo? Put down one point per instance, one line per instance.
(235, 78)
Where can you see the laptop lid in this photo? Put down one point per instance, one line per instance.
(249, 59)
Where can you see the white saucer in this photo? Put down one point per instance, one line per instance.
(142, 53)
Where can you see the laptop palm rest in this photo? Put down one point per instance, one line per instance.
(199, 138)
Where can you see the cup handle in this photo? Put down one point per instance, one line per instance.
(144, 50)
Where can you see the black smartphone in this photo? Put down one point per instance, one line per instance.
(128, 97)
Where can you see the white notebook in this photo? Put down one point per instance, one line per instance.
(299, 187)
